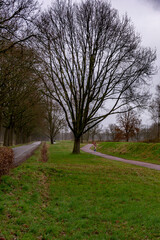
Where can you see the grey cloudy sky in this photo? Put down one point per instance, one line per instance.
(145, 16)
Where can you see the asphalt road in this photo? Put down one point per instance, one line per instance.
(138, 163)
(23, 152)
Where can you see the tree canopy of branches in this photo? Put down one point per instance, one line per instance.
(20, 91)
(128, 124)
(154, 109)
(92, 61)
(114, 132)
(16, 17)
(93, 133)
(19, 95)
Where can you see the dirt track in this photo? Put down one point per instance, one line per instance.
(24, 152)
(138, 163)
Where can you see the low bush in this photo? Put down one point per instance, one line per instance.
(44, 156)
(6, 160)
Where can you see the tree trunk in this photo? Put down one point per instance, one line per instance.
(76, 148)
(18, 137)
(11, 136)
(51, 139)
(5, 142)
(8, 137)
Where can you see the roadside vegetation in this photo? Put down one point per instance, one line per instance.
(145, 152)
(6, 160)
(79, 197)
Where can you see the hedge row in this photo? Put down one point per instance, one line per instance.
(44, 156)
(6, 160)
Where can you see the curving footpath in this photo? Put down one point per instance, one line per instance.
(138, 163)
(22, 153)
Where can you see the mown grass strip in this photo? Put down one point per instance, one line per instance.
(79, 197)
(145, 152)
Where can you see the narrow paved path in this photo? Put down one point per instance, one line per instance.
(24, 152)
(143, 164)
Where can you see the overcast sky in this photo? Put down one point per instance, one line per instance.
(145, 16)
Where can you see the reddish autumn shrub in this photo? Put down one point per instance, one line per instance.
(44, 155)
(6, 160)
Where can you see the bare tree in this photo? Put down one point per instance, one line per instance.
(54, 119)
(92, 61)
(95, 132)
(128, 123)
(112, 131)
(115, 132)
(154, 109)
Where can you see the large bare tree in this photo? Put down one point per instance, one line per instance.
(92, 61)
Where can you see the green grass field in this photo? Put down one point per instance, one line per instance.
(145, 152)
(79, 197)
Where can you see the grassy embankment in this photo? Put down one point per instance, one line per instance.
(145, 152)
(78, 198)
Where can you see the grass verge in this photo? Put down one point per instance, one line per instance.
(79, 197)
(145, 152)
